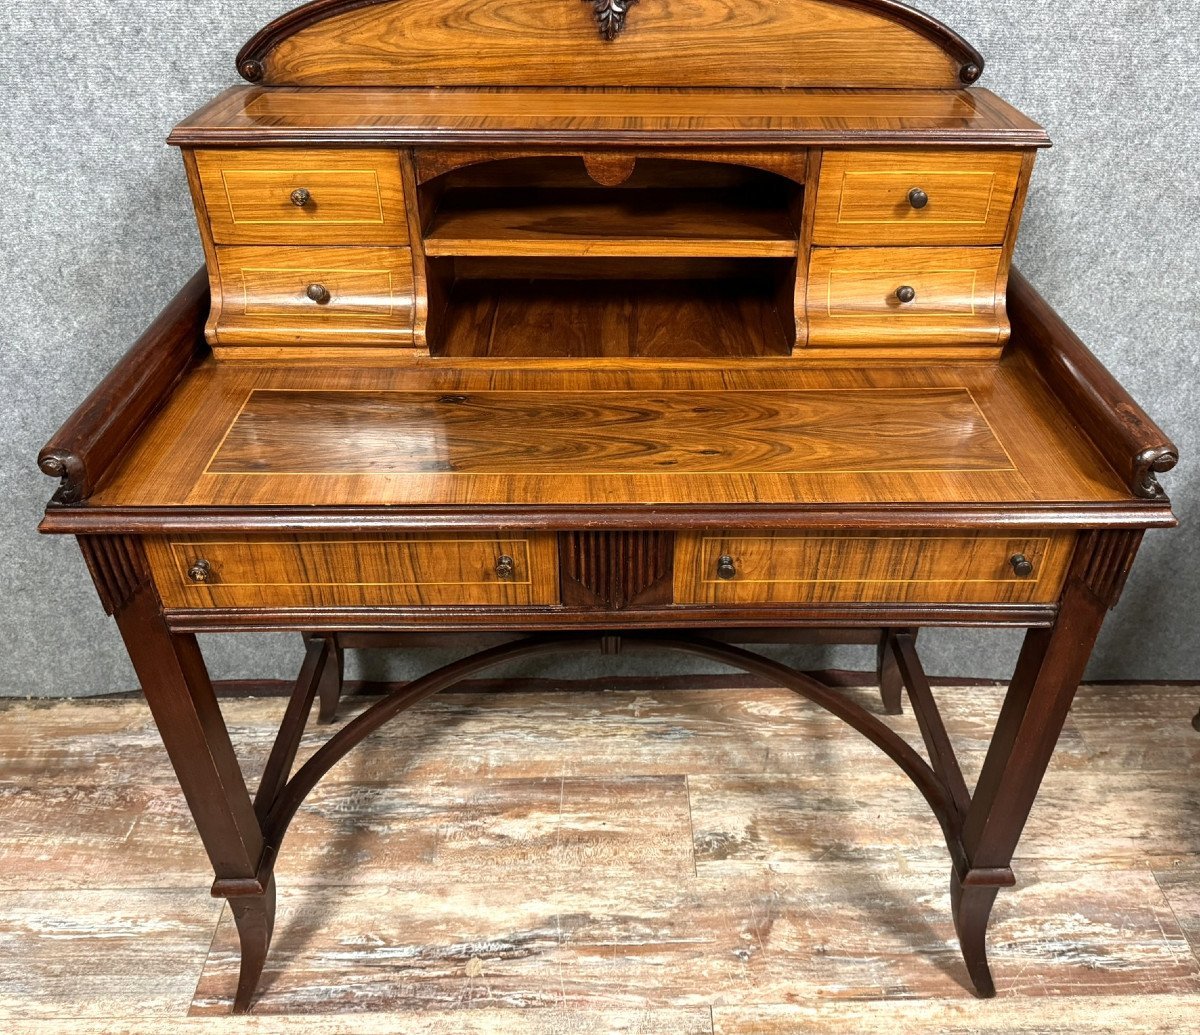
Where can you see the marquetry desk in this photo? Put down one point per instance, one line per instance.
(693, 333)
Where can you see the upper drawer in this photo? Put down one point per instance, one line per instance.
(918, 567)
(285, 196)
(916, 197)
(282, 571)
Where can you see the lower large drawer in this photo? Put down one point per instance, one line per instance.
(795, 568)
(369, 571)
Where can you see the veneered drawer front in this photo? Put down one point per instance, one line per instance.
(865, 197)
(787, 568)
(282, 196)
(856, 297)
(372, 571)
(325, 295)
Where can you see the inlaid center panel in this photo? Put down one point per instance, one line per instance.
(688, 432)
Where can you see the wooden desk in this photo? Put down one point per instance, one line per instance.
(697, 334)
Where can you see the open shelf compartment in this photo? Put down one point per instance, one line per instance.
(532, 257)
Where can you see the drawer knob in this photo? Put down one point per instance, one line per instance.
(200, 572)
(506, 567)
(1022, 565)
(319, 293)
(906, 294)
(726, 569)
(918, 198)
(301, 196)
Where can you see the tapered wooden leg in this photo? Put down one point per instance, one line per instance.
(891, 682)
(1049, 669)
(180, 694)
(329, 689)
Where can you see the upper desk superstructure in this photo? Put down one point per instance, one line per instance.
(658, 323)
(402, 165)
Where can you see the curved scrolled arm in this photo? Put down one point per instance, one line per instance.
(98, 432)
(1136, 447)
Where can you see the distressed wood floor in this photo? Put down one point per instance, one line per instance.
(723, 862)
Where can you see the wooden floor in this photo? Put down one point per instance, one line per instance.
(699, 861)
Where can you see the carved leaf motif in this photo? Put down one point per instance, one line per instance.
(610, 16)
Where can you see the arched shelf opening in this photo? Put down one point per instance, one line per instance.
(611, 253)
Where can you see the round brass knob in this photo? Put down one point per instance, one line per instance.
(319, 293)
(918, 198)
(906, 294)
(506, 567)
(301, 196)
(726, 569)
(200, 572)
(1022, 565)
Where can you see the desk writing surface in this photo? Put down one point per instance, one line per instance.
(245, 434)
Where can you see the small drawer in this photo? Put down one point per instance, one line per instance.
(269, 296)
(372, 571)
(280, 196)
(905, 296)
(909, 197)
(799, 568)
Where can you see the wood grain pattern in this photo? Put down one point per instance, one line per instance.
(676, 223)
(678, 167)
(262, 297)
(541, 42)
(791, 567)
(355, 572)
(357, 197)
(509, 433)
(862, 198)
(498, 319)
(1028, 455)
(854, 301)
(688, 117)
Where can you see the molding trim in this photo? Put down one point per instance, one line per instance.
(613, 570)
(1105, 559)
(118, 567)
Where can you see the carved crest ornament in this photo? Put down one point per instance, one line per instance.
(610, 16)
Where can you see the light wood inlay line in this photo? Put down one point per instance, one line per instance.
(909, 177)
(267, 175)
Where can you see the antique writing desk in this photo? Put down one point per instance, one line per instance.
(696, 331)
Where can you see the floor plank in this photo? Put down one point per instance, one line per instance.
(101, 953)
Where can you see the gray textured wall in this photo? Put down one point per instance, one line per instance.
(97, 234)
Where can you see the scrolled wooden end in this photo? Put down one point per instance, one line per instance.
(1150, 463)
(69, 467)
